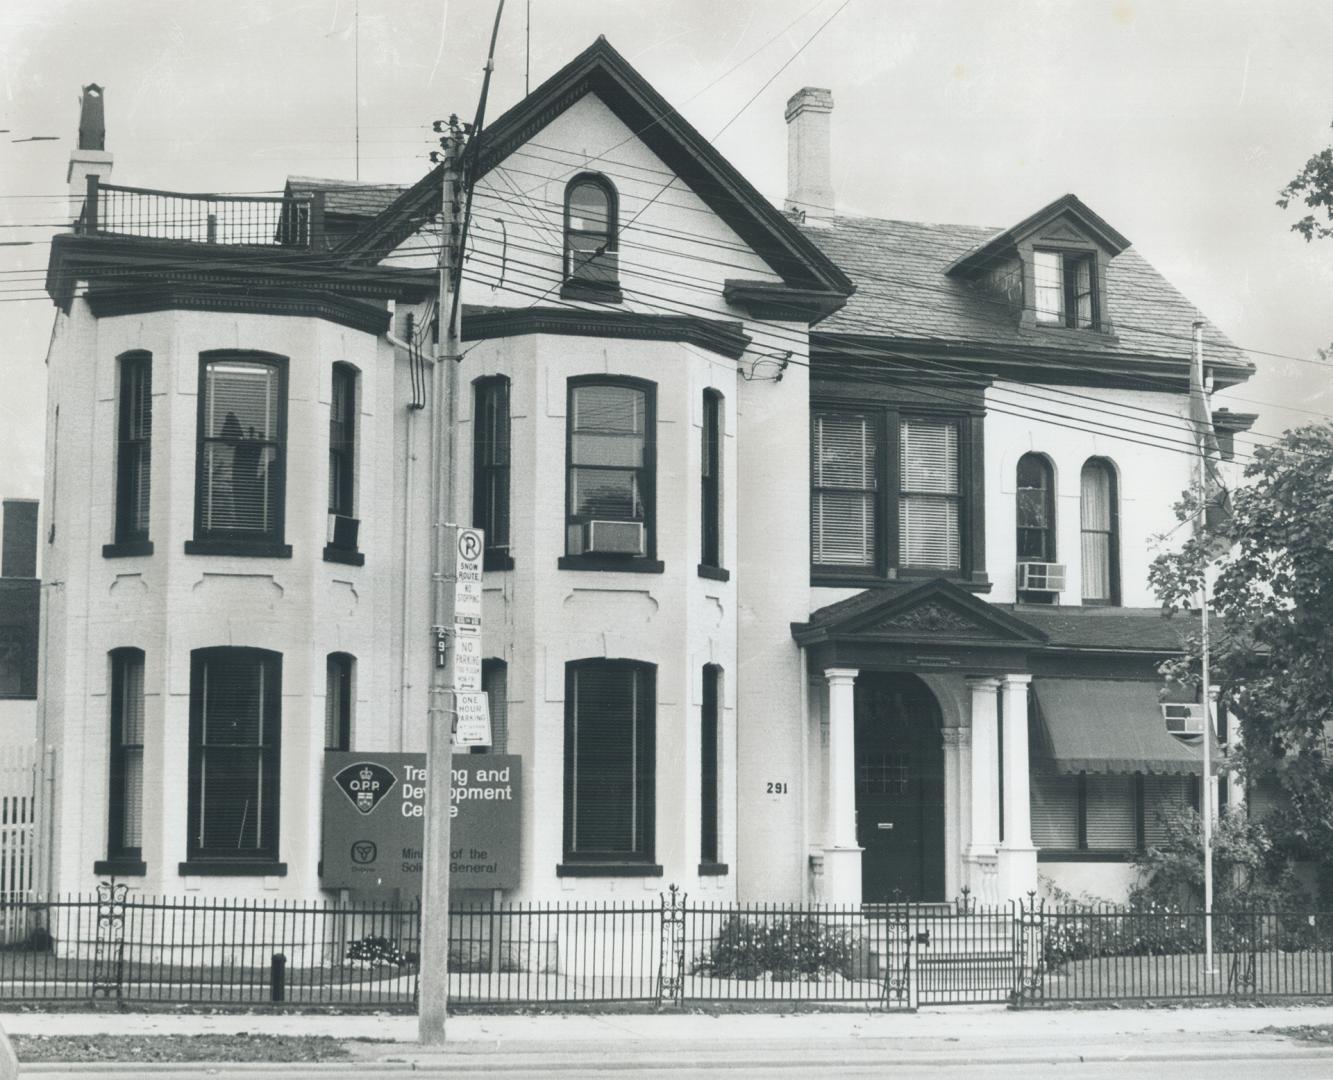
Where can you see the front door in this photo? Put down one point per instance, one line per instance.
(899, 789)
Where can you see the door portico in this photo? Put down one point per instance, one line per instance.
(928, 734)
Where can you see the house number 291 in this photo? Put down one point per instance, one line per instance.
(777, 787)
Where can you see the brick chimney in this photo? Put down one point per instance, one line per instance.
(90, 158)
(809, 168)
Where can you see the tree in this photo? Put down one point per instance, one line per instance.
(1313, 185)
(1272, 629)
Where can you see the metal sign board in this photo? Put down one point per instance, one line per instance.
(467, 662)
(468, 550)
(472, 721)
(374, 825)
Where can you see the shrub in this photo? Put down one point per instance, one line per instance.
(787, 948)
(376, 951)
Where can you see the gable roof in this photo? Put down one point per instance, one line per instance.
(938, 609)
(601, 70)
(1092, 225)
(906, 299)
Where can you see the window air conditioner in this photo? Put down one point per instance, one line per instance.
(1045, 577)
(1183, 719)
(343, 531)
(614, 537)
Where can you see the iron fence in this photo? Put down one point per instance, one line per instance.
(113, 209)
(131, 948)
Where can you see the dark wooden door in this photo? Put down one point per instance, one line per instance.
(899, 789)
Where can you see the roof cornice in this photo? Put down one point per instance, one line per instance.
(723, 336)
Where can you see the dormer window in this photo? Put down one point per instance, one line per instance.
(1065, 289)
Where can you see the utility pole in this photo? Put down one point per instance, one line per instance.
(1201, 532)
(434, 965)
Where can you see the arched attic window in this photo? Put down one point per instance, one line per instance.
(591, 242)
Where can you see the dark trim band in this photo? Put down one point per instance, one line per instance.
(722, 336)
(608, 869)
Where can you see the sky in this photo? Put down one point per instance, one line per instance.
(1178, 121)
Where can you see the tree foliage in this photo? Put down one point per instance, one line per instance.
(1272, 626)
(1313, 186)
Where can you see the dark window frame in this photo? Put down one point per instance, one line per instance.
(1113, 597)
(134, 451)
(579, 285)
(491, 478)
(582, 862)
(490, 668)
(886, 563)
(217, 541)
(129, 858)
(648, 561)
(342, 439)
(261, 858)
(1083, 853)
(710, 482)
(710, 771)
(1047, 542)
(339, 678)
(1070, 294)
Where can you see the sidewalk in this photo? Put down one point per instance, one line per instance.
(944, 1035)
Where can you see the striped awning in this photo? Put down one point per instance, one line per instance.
(1109, 726)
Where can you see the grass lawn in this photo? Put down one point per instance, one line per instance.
(1276, 974)
(167, 1048)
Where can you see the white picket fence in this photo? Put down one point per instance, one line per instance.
(18, 837)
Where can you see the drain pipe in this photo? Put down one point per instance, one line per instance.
(410, 456)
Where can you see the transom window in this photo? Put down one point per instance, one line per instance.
(887, 493)
(590, 234)
(1065, 289)
(242, 454)
(610, 482)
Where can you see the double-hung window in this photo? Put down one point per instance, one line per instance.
(125, 787)
(609, 491)
(241, 468)
(234, 782)
(134, 455)
(1035, 509)
(889, 493)
(929, 503)
(343, 524)
(610, 763)
(709, 771)
(1066, 289)
(490, 468)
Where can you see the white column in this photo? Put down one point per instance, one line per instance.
(953, 796)
(1018, 858)
(842, 854)
(983, 780)
(985, 766)
(1235, 783)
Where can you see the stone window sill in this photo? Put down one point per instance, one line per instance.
(233, 868)
(608, 869)
(120, 867)
(346, 556)
(126, 549)
(262, 549)
(610, 563)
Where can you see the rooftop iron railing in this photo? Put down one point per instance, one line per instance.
(290, 221)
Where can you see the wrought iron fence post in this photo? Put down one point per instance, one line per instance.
(1028, 966)
(109, 950)
(898, 985)
(671, 965)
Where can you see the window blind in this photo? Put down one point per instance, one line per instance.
(844, 478)
(928, 510)
(134, 462)
(608, 452)
(1110, 813)
(609, 746)
(127, 752)
(1163, 797)
(1096, 523)
(241, 412)
(1054, 801)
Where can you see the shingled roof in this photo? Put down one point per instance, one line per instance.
(904, 293)
(351, 197)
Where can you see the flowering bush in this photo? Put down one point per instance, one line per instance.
(787, 948)
(376, 951)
